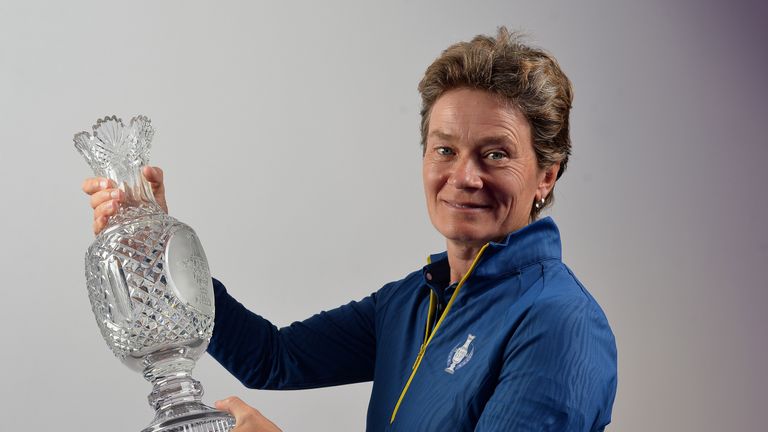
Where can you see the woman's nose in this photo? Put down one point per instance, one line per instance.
(466, 175)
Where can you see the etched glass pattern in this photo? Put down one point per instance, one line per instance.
(149, 283)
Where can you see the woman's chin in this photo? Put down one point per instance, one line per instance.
(469, 235)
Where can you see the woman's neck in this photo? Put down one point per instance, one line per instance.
(460, 257)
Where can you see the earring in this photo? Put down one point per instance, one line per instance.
(539, 204)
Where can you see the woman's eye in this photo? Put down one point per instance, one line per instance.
(444, 151)
(496, 155)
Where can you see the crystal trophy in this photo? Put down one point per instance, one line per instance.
(149, 283)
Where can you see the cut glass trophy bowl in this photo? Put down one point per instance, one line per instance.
(149, 283)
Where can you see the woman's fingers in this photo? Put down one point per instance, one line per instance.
(94, 184)
(154, 176)
(106, 209)
(98, 225)
(247, 418)
(104, 200)
(102, 196)
(101, 190)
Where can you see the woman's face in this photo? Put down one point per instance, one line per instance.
(480, 171)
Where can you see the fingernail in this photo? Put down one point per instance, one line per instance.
(103, 184)
(115, 194)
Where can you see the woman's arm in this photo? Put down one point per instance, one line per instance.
(331, 348)
(559, 372)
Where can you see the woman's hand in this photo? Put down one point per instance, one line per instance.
(247, 418)
(154, 176)
(105, 197)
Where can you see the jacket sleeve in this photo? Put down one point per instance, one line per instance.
(559, 372)
(330, 348)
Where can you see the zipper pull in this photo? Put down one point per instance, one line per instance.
(418, 357)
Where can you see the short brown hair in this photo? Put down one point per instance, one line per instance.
(529, 78)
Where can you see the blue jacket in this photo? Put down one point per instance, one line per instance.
(517, 345)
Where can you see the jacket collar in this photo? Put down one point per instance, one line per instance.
(531, 244)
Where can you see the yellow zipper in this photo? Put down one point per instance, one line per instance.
(419, 356)
(424, 345)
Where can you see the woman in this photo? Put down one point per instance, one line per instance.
(495, 333)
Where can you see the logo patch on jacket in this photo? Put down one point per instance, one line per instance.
(461, 354)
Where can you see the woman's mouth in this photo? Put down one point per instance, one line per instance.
(467, 205)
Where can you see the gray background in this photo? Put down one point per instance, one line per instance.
(289, 136)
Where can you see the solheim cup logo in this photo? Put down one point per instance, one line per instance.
(149, 283)
(460, 355)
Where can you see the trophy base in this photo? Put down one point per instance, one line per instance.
(191, 417)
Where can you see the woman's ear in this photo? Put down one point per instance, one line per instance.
(547, 180)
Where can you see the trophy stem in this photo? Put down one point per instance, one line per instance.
(176, 398)
(175, 389)
(173, 384)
